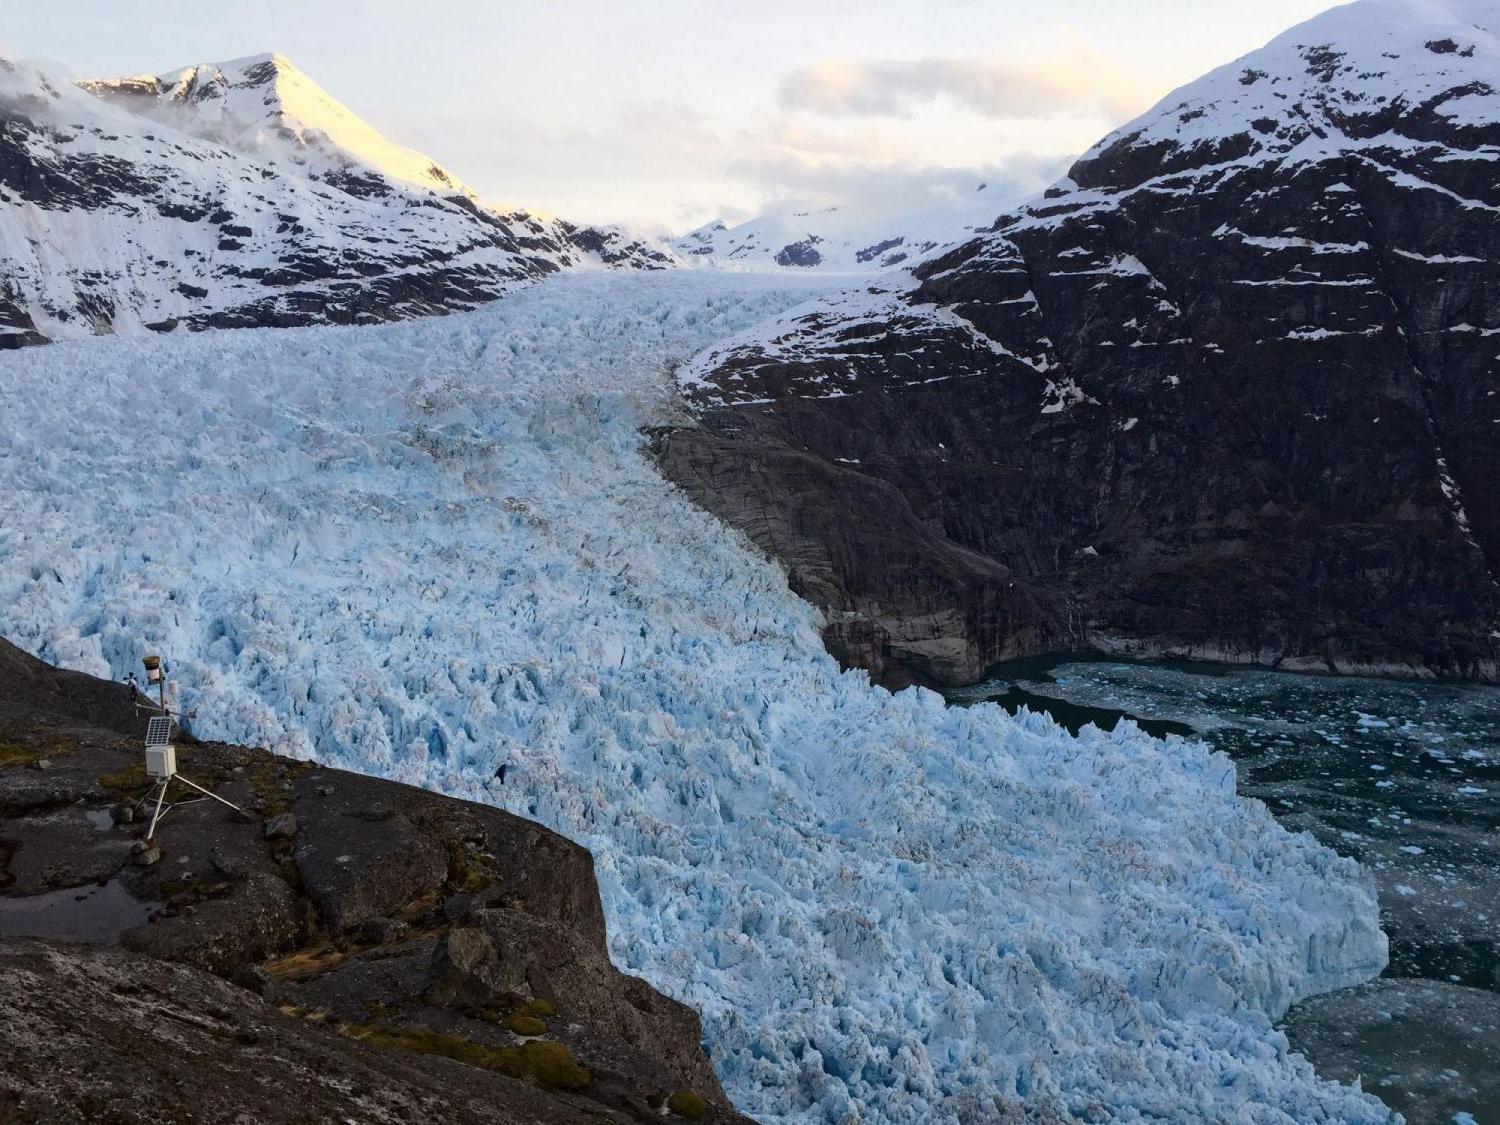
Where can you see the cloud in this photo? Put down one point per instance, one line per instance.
(786, 178)
(661, 163)
(1080, 79)
(638, 160)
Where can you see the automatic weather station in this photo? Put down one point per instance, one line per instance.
(161, 752)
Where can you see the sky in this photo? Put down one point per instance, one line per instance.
(668, 113)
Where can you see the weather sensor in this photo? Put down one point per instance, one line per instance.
(161, 754)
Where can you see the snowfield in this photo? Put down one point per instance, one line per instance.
(430, 549)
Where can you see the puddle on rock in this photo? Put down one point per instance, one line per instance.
(91, 915)
(102, 820)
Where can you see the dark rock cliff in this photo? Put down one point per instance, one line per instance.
(1231, 390)
(352, 949)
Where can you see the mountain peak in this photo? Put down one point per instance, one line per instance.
(273, 59)
(265, 107)
(269, 68)
(1365, 70)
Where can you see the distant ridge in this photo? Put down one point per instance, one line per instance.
(840, 240)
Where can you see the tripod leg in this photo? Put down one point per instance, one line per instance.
(161, 795)
(205, 792)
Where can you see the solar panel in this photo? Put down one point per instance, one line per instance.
(158, 731)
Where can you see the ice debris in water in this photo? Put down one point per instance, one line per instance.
(430, 549)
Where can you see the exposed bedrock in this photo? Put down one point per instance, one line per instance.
(395, 955)
(1229, 391)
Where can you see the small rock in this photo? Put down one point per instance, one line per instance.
(224, 863)
(280, 827)
(325, 790)
(43, 763)
(145, 854)
(240, 816)
(123, 814)
(468, 948)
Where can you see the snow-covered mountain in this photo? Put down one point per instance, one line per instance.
(432, 549)
(242, 194)
(265, 108)
(837, 240)
(1228, 389)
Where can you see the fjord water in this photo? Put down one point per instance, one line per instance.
(1403, 776)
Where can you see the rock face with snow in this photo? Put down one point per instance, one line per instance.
(242, 194)
(1230, 389)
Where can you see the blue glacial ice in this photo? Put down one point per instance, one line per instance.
(430, 549)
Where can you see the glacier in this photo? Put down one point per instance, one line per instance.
(431, 549)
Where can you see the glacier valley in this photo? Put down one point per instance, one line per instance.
(436, 551)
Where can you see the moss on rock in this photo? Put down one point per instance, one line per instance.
(131, 777)
(524, 1025)
(548, 1065)
(687, 1103)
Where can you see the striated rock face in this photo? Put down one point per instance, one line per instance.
(400, 955)
(241, 194)
(104, 1035)
(1230, 390)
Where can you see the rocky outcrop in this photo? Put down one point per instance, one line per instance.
(1228, 391)
(395, 955)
